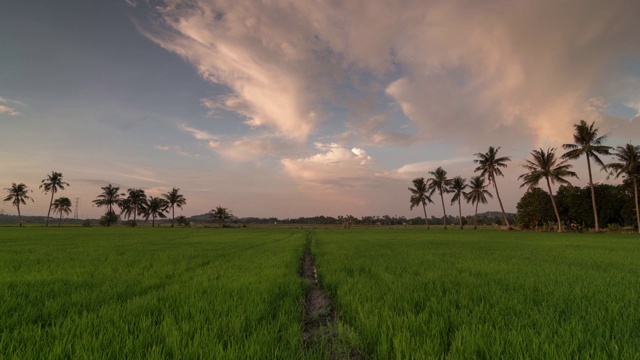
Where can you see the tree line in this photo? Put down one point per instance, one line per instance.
(543, 166)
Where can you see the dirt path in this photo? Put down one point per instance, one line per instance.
(320, 332)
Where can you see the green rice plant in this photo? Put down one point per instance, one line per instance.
(412, 293)
(125, 293)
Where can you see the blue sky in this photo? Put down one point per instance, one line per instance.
(289, 108)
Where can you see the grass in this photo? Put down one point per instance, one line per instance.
(235, 293)
(150, 293)
(412, 293)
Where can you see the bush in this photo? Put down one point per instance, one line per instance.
(130, 223)
(109, 219)
(86, 223)
(614, 227)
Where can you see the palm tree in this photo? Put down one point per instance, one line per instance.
(174, 200)
(62, 205)
(52, 183)
(440, 182)
(457, 187)
(221, 214)
(490, 165)
(125, 208)
(155, 207)
(136, 200)
(629, 165)
(477, 194)
(108, 198)
(545, 165)
(587, 142)
(17, 194)
(420, 196)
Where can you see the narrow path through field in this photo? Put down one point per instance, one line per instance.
(320, 333)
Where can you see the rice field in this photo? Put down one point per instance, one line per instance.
(122, 293)
(399, 293)
(484, 294)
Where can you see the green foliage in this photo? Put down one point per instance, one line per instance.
(485, 294)
(86, 223)
(108, 219)
(78, 293)
(535, 209)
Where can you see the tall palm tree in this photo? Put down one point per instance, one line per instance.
(439, 182)
(174, 199)
(457, 187)
(155, 207)
(62, 205)
(221, 214)
(17, 194)
(419, 195)
(126, 209)
(629, 166)
(136, 200)
(52, 184)
(477, 194)
(490, 166)
(108, 198)
(587, 142)
(545, 165)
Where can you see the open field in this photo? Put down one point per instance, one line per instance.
(484, 294)
(235, 293)
(150, 293)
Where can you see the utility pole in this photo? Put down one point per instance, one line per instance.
(75, 214)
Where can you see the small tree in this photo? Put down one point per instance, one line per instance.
(52, 184)
(220, 214)
(174, 199)
(62, 205)
(477, 194)
(420, 196)
(17, 194)
(457, 187)
(155, 208)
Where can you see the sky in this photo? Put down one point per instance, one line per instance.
(290, 108)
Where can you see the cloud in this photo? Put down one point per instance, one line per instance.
(333, 166)
(510, 71)
(177, 149)
(421, 169)
(9, 111)
(6, 109)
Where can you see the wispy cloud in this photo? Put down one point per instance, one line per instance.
(177, 149)
(7, 106)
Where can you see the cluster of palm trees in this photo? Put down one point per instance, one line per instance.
(135, 202)
(17, 194)
(543, 165)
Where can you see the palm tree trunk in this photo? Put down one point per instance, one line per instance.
(460, 213)
(443, 210)
(19, 216)
(504, 215)
(173, 214)
(49, 213)
(135, 211)
(60, 223)
(475, 217)
(555, 208)
(153, 220)
(593, 195)
(426, 222)
(635, 191)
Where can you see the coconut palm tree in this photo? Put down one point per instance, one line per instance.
(108, 198)
(587, 142)
(477, 194)
(545, 165)
(155, 207)
(629, 166)
(490, 165)
(136, 200)
(457, 187)
(174, 200)
(52, 184)
(17, 194)
(62, 205)
(221, 214)
(439, 182)
(419, 195)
